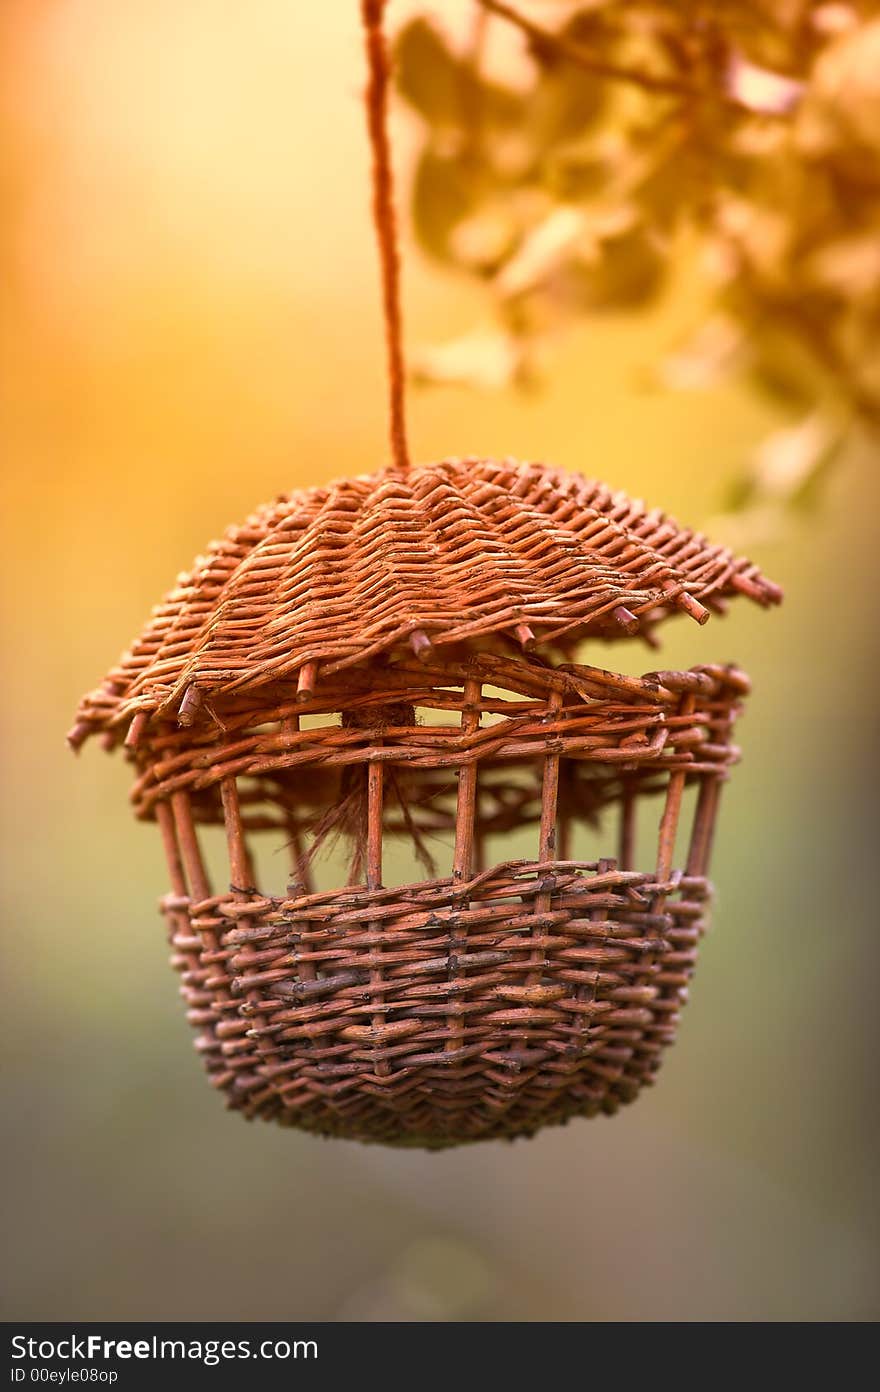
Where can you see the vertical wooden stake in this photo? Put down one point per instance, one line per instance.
(199, 890)
(463, 854)
(375, 783)
(669, 823)
(466, 809)
(375, 798)
(239, 859)
(242, 886)
(199, 884)
(298, 862)
(177, 876)
(671, 814)
(547, 842)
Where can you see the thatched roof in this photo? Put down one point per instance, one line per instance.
(324, 578)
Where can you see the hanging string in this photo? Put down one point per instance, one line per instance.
(386, 225)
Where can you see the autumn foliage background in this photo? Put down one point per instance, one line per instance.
(190, 325)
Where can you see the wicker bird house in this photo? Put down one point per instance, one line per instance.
(392, 666)
(388, 665)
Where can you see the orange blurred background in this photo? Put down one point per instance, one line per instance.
(190, 325)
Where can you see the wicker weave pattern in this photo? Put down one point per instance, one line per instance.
(483, 1003)
(441, 1013)
(456, 552)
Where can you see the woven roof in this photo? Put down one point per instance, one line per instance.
(455, 551)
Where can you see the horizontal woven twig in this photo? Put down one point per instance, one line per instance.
(647, 729)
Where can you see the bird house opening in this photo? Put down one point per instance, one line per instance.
(440, 785)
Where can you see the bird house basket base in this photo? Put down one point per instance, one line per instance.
(480, 998)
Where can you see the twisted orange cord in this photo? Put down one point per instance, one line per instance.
(386, 226)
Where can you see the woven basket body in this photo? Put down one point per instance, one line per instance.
(523, 841)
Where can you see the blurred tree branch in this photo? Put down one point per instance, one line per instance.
(746, 132)
(576, 53)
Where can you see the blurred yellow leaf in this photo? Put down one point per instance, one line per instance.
(486, 357)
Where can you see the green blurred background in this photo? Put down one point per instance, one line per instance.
(190, 325)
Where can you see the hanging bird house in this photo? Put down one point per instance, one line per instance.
(433, 877)
(385, 660)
